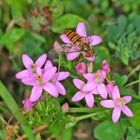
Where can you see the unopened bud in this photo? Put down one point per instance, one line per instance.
(105, 66)
(65, 107)
(81, 68)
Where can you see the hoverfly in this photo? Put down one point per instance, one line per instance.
(80, 42)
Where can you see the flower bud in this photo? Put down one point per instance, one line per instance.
(80, 68)
(65, 107)
(28, 105)
(105, 66)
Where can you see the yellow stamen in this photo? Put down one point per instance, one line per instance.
(120, 101)
(33, 65)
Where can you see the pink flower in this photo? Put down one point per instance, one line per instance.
(110, 87)
(30, 66)
(28, 105)
(81, 68)
(97, 80)
(85, 91)
(91, 40)
(41, 82)
(105, 66)
(59, 76)
(119, 104)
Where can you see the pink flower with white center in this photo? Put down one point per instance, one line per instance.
(91, 40)
(28, 105)
(110, 87)
(97, 80)
(105, 66)
(85, 91)
(81, 68)
(41, 82)
(30, 66)
(59, 76)
(119, 104)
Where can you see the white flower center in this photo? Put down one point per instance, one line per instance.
(120, 102)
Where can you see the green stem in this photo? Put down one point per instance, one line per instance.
(137, 68)
(139, 86)
(87, 116)
(80, 110)
(132, 83)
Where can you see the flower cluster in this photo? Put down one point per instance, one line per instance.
(42, 75)
(96, 86)
(41, 78)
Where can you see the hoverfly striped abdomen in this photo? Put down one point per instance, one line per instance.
(74, 38)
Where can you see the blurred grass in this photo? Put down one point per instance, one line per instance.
(12, 105)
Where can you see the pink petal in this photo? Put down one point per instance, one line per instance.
(94, 91)
(103, 74)
(22, 74)
(48, 75)
(81, 29)
(116, 114)
(60, 88)
(27, 61)
(61, 76)
(48, 65)
(102, 90)
(90, 58)
(78, 96)
(57, 47)
(51, 89)
(72, 56)
(41, 60)
(127, 99)
(39, 71)
(78, 83)
(89, 86)
(28, 105)
(89, 76)
(127, 111)
(107, 103)
(89, 100)
(115, 93)
(29, 81)
(65, 39)
(35, 93)
(94, 40)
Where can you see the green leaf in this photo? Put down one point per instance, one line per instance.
(65, 22)
(18, 4)
(136, 118)
(119, 79)
(125, 56)
(122, 21)
(56, 8)
(133, 134)
(12, 36)
(16, 14)
(12, 105)
(111, 33)
(67, 133)
(109, 131)
(101, 53)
